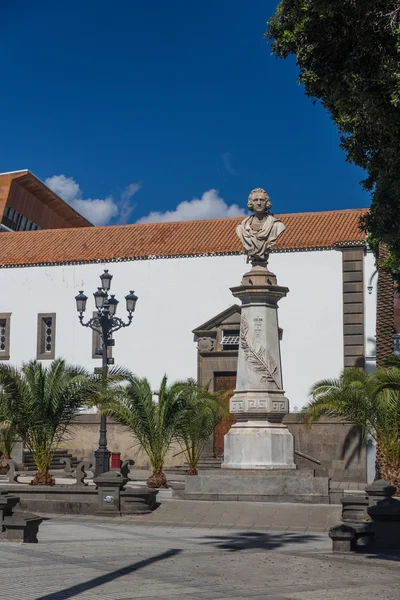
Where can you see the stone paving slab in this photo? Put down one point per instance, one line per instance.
(88, 559)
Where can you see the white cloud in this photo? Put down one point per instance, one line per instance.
(226, 159)
(98, 211)
(125, 206)
(209, 206)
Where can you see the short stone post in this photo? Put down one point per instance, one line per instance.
(354, 508)
(18, 527)
(379, 490)
(22, 527)
(7, 503)
(109, 487)
(384, 510)
(342, 537)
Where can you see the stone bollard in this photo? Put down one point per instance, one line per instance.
(354, 508)
(379, 490)
(109, 487)
(385, 514)
(7, 503)
(22, 527)
(342, 537)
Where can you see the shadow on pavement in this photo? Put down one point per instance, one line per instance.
(393, 556)
(78, 589)
(252, 540)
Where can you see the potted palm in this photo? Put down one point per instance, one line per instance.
(41, 402)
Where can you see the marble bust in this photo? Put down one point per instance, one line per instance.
(259, 232)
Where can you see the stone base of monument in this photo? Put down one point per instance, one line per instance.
(255, 485)
(259, 445)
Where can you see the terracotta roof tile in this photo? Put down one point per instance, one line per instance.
(305, 231)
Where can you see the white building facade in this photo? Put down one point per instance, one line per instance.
(327, 319)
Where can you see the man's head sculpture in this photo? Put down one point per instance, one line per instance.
(259, 232)
(258, 194)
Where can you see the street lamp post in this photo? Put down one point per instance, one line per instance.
(105, 323)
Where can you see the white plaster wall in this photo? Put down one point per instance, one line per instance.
(370, 298)
(175, 296)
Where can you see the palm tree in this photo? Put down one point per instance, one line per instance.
(203, 411)
(41, 403)
(8, 439)
(153, 423)
(371, 401)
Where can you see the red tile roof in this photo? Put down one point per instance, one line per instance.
(304, 231)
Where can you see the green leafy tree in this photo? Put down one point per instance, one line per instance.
(41, 402)
(153, 423)
(203, 411)
(348, 54)
(371, 401)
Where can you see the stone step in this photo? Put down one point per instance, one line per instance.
(30, 465)
(28, 456)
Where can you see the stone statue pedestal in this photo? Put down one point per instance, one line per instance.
(259, 440)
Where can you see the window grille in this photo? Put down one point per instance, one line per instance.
(46, 336)
(230, 339)
(5, 336)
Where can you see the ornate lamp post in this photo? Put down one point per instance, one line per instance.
(105, 323)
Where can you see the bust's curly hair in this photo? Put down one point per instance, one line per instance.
(257, 192)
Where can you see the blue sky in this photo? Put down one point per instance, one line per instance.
(128, 108)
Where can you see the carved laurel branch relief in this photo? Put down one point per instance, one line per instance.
(257, 357)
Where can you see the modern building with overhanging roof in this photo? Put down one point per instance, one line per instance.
(27, 204)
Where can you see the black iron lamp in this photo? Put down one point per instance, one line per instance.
(81, 300)
(106, 280)
(112, 305)
(105, 323)
(100, 298)
(131, 300)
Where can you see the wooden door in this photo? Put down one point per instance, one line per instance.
(223, 382)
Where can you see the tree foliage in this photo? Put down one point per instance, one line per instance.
(8, 439)
(153, 423)
(348, 53)
(203, 410)
(371, 401)
(41, 402)
(183, 412)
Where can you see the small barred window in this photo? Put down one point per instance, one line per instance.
(230, 339)
(46, 336)
(5, 336)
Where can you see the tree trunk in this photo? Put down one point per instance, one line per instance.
(390, 472)
(157, 479)
(43, 478)
(384, 311)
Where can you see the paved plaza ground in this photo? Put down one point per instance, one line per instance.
(94, 558)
